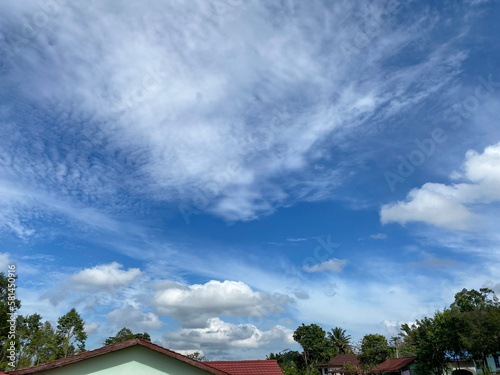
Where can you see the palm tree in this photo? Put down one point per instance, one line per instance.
(340, 341)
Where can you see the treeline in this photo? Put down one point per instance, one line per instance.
(37, 341)
(319, 346)
(468, 329)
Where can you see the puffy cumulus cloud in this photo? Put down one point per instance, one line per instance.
(193, 305)
(105, 276)
(134, 319)
(435, 204)
(449, 206)
(332, 265)
(222, 335)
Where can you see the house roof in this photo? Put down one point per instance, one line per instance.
(113, 348)
(341, 360)
(393, 364)
(259, 367)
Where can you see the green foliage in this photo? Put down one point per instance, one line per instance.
(126, 334)
(48, 344)
(340, 342)
(316, 347)
(38, 342)
(196, 355)
(70, 330)
(27, 329)
(431, 348)
(374, 350)
(479, 316)
(469, 328)
(404, 346)
(472, 300)
(290, 362)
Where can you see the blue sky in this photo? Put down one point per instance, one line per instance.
(218, 172)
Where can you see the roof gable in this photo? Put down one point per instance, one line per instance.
(258, 367)
(341, 360)
(115, 348)
(393, 364)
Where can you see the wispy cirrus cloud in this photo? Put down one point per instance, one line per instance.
(240, 130)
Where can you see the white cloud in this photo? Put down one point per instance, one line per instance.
(194, 304)
(332, 265)
(134, 319)
(4, 262)
(378, 236)
(105, 276)
(218, 334)
(451, 206)
(296, 239)
(101, 284)
(92, 327)
(234, 97)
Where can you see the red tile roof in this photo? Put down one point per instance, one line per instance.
(341, 360)
(393, 364)
(259, 367)
(112, 348)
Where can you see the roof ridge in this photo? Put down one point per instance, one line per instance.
(112, 348)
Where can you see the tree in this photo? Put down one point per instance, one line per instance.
(48, 344)
(197, 355)
(479, 316)
(70, 330)
(340, 342)
(374, 350)
(316, 347)
(431, 344)
(126, 334)
(472, 300)
(28, 333)
(291, 362)
(469, 328)
(37, 341)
